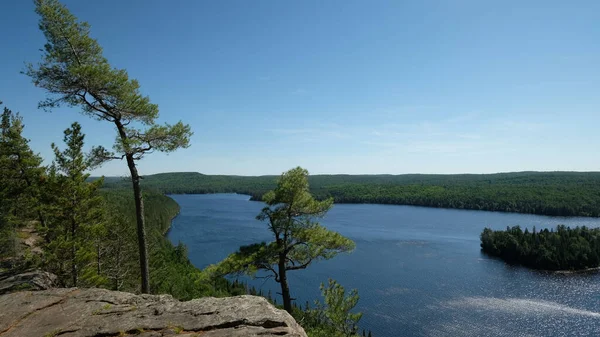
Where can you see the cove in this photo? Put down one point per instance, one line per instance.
(419, 271)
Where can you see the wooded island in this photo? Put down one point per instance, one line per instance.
(563, 248)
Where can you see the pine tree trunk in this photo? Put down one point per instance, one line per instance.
(285, 289)
(139, 211)
(141, 227)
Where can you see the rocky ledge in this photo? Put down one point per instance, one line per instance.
(31, 280)
(98, 312)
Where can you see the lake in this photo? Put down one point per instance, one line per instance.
(419, 271)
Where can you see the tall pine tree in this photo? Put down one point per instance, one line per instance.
(78, 214)
(76, 73)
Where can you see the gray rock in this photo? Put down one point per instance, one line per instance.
(97, 312)
(31, 280)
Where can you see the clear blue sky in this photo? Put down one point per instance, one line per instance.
(444, 86)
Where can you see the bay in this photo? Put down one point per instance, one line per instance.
(419, 271)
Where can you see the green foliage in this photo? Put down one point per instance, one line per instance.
(170, 269)
(298, 240)
(75, 215)
(21, 175)
(117, 248)
(89, 234)
(562, 249)
(74, 72)
(549, 193)
(333, 318)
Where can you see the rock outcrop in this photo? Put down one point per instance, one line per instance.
(97, 312)
(31, 280)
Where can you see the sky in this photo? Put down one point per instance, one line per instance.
(357, 87)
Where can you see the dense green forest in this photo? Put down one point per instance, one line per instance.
(170, 270)
(563, 248)
(548, 193)
(53, 218)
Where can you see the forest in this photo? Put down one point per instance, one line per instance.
(563, 248)
(545, 193)
(52, 218)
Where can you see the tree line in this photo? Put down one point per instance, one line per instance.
(546, 193)
(562, 248)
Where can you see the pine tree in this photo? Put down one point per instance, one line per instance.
(21, 176)
(118, 250)
(298, 240)
(338, 306)
(75, 71)
(71, 251)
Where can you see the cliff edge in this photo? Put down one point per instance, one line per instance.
(98, 312)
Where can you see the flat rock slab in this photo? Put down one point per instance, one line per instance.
(97, 312)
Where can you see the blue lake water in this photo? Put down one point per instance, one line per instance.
(419, 271)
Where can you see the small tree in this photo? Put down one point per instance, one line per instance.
(118, 250)
(77, 211)
(298, 239)
(74, 71)
(338, 306)
(333, 317)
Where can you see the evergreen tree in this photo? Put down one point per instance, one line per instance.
(298, 239)
(338, 306)
(21, 176)
(563, 248)
(333, 317)
(117, 251)
(75, 72)
(71, 251)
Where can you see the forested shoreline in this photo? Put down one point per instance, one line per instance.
(559, 249)
(544, 193)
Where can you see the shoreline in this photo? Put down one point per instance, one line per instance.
(168, 229)
(578, 271)
(591, 270)
(253, 198)
(556, 272)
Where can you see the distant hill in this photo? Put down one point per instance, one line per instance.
(550, 193)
